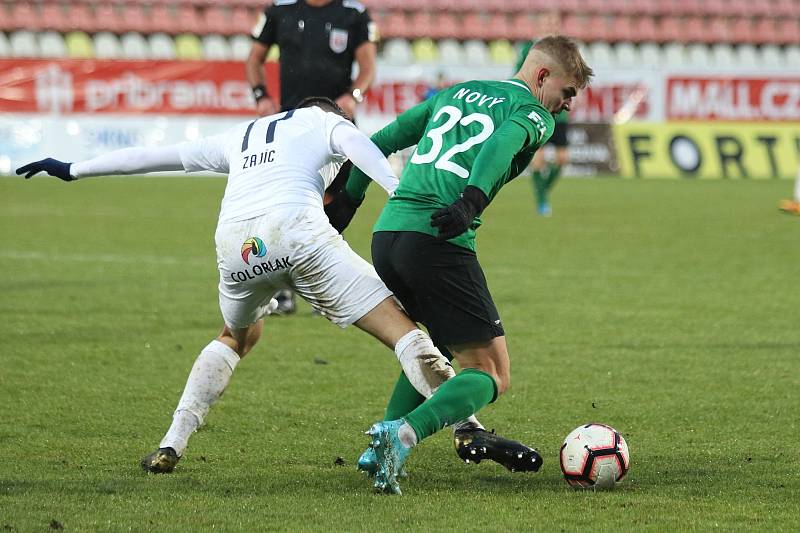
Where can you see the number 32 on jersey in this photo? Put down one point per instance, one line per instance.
(436, 135)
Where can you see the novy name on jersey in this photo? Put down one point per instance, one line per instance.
(252, 160)
(470, 96)
(260, 269)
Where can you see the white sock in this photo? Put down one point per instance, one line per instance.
(472, 422)
(407, 435)
(797, 187)
(424, 365)
(207, 381)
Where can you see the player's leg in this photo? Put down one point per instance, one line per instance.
(539, 181)
(793, 206)
(210, 375)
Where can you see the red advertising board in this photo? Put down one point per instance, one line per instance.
(733, 98)
(96, 86)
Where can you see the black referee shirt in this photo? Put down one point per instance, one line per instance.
(317, 45)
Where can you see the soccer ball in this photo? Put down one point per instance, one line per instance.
(594, 456)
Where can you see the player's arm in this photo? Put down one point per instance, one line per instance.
(511, 145)
(348, 141)
(118, 162)
(406, 130)
(263, 35)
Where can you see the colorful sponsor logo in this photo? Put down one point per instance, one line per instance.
(255, 247)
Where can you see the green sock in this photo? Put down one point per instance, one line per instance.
(552, 175)
(538, 183)
(403, 400)
(456, 399)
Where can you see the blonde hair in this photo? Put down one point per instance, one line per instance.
(565, 53)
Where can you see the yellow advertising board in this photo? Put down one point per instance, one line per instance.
(716, 150)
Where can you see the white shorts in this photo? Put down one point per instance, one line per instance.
(292, 247)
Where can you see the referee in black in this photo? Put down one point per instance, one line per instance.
(318, 40)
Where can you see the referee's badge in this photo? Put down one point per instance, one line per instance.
(338, 40)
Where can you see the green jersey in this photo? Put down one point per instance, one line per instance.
(479, 133)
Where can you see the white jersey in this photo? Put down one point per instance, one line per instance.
(280, 160)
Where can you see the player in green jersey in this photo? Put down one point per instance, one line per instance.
(471, 139)
(544, 174)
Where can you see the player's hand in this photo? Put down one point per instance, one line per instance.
(348, 104)
(54, 167)
(457, 217)
(266, 106)
(341, 209)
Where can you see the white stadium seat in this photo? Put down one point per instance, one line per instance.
(650, 55)
(5, 46)
(698, 55)
(161, 46)
(398, 52)
(23, 44)
(722, 55)
(746, 56)
(216, 48)
(772, 56)
(601, 54)
(792, 56)
(240, 47)
(134, 46)
(51, 44)
(674, 55)
(107, 46)
(451, 52)
(627, 55)
(476, 53)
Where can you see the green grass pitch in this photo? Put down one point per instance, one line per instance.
(666, 309)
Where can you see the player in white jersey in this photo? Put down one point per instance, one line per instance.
(272, 234)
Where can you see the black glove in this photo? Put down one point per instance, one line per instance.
(341, 210)
(457, 217)
(54, 167)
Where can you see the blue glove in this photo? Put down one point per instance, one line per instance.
(457, 217)
(54, 167)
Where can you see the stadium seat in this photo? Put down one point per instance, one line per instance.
(216, 20)
(25, 16)
(134, 46)
(694, 30)
(107, 18)
(445, 26)
(627, 55)
(650, 54)
(792, 56)
(397, 52)
(51, 44)
(240, 47)
(162, 19)
(23, 44)
(425, 50)
(601, 54)
(189, 21)
(5, 46)
(643, 29)
(787, 32)
(274, 53)
(473, 26)
(722, 55)
(451, 52)
(79, 45)
(524, 28)
(216, 48)
(107, 46)
(771, 56)
(161, 46)
(669, 30)
(394, 25)
(674, 55)
(497, 27)
(420, 24)
(742, 30)
(476, 52)
(718, 31)
(188, 47)
(746, 56)
(54, 17)
(134, 19)
(501, 52)
(697, 55)
(80, 17)
(242, 21)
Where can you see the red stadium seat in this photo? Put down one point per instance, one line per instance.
(134, 18)
(80, 17)
(787, 31)
(420, 24)
(694, 30)
(108, 18)
(162, 19)
(394, 24)
(623, 29)
(473, 26)
(217, 20)
(644, 29)
(719, 30)
(574, 26)
(25, 16)
(786, 8)
(670, 30)
(764, 30)
(523, 27)
(188, 20)
(445, 26)
(242, 20)
(742, 30)
(54, 17)
(497, 27)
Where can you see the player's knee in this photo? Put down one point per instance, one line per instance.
(241, 340)
(503, 381)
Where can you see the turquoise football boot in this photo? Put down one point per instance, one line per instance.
(390, 453)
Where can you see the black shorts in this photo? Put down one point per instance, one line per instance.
(441, 285)
(559, 137)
